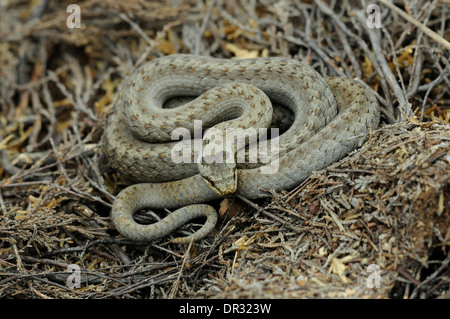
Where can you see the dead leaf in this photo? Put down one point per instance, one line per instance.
(229, 208)
(241, 53)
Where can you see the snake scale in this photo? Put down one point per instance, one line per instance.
(332, 117)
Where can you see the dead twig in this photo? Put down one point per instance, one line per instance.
(436, 37)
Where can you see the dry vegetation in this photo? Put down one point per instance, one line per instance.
(387, 204)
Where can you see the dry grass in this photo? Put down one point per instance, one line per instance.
(387, 204)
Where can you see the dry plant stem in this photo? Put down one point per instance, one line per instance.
(349, 52)
(202, 30)
(5, 162)
(270, 215)
(408, 276)
(417, 71)
(375, 39)
(385, 101)
(436, 37)
(429, 278)
(176, 285)
(136, 27)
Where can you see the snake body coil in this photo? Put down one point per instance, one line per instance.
(332, 118)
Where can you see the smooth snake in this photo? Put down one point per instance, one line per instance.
(333, 116)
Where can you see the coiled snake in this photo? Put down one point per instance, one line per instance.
(332, 118)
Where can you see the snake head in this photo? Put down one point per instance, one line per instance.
(221, 177)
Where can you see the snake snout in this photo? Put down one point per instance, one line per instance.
(220, 177)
